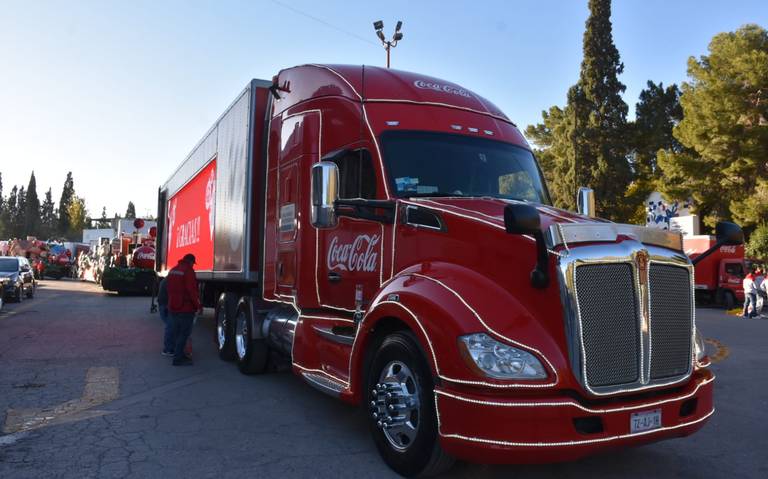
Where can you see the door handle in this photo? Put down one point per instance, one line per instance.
(334, 277)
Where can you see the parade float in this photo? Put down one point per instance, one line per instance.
(132, 262)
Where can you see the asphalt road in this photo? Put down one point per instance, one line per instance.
(84, 386)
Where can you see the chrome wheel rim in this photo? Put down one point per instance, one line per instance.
(395, 405)
(241, 335)
(221, 328)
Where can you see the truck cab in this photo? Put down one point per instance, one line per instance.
(392, 234)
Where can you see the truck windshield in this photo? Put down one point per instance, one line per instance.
(9, 265)
(440, 164)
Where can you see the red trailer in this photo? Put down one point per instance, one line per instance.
(718, 276)
(391, 234)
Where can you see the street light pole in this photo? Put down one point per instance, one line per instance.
(388, 44)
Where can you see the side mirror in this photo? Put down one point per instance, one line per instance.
(524, 219)
(729, 234)
(585, 201)
(325, 192)
(25, 268)
(521, 219)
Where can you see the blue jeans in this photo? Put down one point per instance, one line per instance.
(182, 328)
(750, 298)
(168, 344)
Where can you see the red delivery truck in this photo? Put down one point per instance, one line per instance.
(392, 234)
(718, 276)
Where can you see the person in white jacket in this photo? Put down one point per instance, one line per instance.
(750, 297)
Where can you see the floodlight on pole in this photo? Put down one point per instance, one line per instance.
(388, 44)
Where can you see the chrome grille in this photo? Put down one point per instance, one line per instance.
(609, 313)
(670, 320)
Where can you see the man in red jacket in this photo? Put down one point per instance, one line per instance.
(183, 302)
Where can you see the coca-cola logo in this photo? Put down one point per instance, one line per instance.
(148, 255)
(728, 249)
(210, 199)
(427, 85)
(359, 255)
(171, 219)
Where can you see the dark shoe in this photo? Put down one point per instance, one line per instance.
(182, 362)
(167, 353)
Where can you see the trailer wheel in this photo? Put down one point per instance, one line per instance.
(224, 334)
(252, 354)
(402, 415)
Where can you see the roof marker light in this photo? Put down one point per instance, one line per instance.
(456, 127)
(392, 123)
(488, 132)
(473, 130)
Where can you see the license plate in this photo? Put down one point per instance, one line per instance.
(645, 421)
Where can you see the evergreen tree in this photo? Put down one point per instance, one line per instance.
(103, 221)
(584, 144)
(656, 114)
(67, 195)
(2, 210)
(130, 213)
(32, 211)
(724, 131)
(48, 216)
(19, 218)
(9, 213)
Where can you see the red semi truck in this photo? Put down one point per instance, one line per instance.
(718, 276)
(392, 234)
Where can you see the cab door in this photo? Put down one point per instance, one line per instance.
(350, 256)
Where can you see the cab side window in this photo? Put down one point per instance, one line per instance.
(357, 178)
(734, 269)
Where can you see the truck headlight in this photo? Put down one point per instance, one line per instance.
(698, 346)
(498, 360)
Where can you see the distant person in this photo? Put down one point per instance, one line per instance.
(162, 305)
(183, 302)
(760, 293)
(750, 296)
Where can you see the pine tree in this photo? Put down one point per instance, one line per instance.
(19, 218)
(48, 216)
(724, 131)
(32, 211)
(130, 213)
(584, 144)
(9, 213)
(67, 195)
(4, 220)
(656, 113)
(103, 221)
(2, 209)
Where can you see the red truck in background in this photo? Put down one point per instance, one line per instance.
(718, 276)
(392, 235)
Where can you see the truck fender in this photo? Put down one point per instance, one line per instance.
(431, 302)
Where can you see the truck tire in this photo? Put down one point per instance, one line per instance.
(224, 333)
(408, 442)
(729, 300)
(252, 354)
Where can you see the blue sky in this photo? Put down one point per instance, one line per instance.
(119, 92)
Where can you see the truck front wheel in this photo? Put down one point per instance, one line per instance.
(402, 414)
(226, 310)
(730, 300)
(252, 354)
